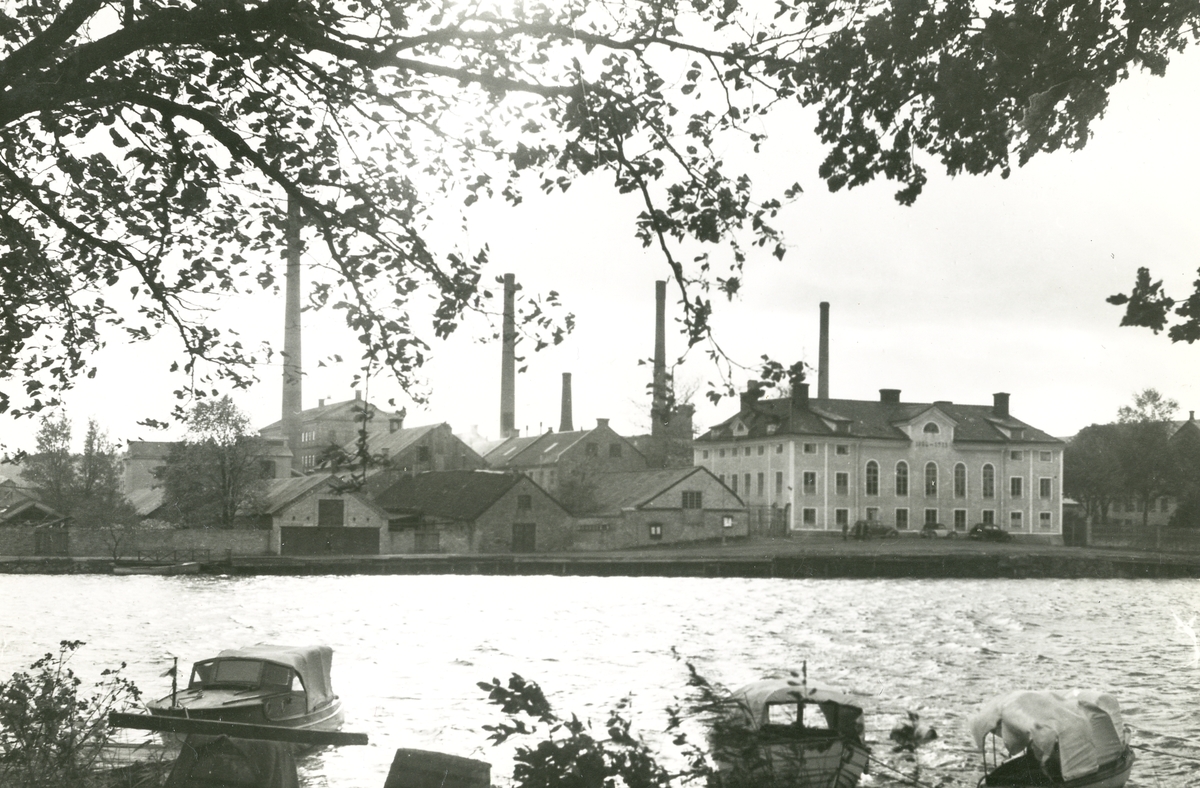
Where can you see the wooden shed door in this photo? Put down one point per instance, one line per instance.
(524, 537)
(301, 540)
(50, 541)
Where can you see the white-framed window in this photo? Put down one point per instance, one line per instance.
(960, 519)
(931, 480)
(1046, 456)
(960, 481)
(841, 517)
(841, 483)
(1016, 520)
(872, 478)
(704, 454)
(1046, 521)
(655, 532)
(989, 481)
(693, 499)
(931, 515)
(733, 482)
(810, 516)
(902, 478)
(747, 480)
(843, 449)
(931, 428)
(810, 482)
(902, 519)
(810, 448)
(1016, 486)
(1045, 487)
(989, 516)
(1016, 455)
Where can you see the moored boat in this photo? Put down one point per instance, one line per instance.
(287, 686)
(184, 568)
(1070, 739)
(788, 732)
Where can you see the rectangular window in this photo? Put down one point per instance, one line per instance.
(1016, 455)
(960, 481)
(901, 519)
(591, 449)
(1045, 487)
(960, 519)
(747, 484)
(655, 532)
(872, 514)
(810, 516)
(931, 515)
(614, 450)
(721, 478)
(331, 513)
(778, 483)
(779, 448)
(422, 454)
(810, 482)
(720, 452)
(704, 454)
(841, 483)
(989, 516)
(1014, 520)
(841, 516)
(761, 449)
(762, 483)
(1046, 456)
(843, 449)
(1045, 521)
(1015, 485)
(524, 503)
(747, 452)
(810, 448)
(733, 480)
(693, 499)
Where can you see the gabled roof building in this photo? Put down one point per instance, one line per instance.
(553, 458)
(820, 465)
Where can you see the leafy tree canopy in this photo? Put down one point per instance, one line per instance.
(149, 148)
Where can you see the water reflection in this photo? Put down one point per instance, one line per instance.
(409, 650)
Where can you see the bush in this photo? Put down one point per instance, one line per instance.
(51, 731)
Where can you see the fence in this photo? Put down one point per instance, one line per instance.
(1158, 538)
(143, 544)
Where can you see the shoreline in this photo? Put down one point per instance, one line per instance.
(769, 558)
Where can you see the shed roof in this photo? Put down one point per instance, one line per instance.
(281, 492)
(454, 495)
(633, 489)
(146, 500)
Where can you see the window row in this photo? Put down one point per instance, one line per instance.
(959, 482)
(841, 449)
(959, 520)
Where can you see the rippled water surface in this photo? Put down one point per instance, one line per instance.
(408, 650)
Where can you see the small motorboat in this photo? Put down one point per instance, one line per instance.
(789, 732)
(286, 686)
(1064, 739)
(140, 568)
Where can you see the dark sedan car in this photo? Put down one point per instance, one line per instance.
(864, 529)
(989, 532)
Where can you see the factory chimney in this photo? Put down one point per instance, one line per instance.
(660, 415)
(292, 373)
(565, 423)
(508, 360)
(823, 357)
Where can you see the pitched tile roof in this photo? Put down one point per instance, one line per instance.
(868, 419)
(504, 454)
(346, 409)
(281, 492)
(393, 442)
(632, 489)
(454, 495)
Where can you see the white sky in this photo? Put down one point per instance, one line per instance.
(984, 285)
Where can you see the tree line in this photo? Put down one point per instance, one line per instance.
(1141, 458)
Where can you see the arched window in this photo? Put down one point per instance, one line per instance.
(931, 429)
(902, 478)
(989, 481)
(960, 481)
(931, 479)
(872, 478)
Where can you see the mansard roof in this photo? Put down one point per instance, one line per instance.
(868, 419)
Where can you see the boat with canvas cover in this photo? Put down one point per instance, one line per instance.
(287, 686)
(789, 732)
(1070, 739)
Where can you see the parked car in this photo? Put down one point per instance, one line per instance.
(869, 529)
(936, 531)
(989, 532)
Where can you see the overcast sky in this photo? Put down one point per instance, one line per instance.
(984, 285)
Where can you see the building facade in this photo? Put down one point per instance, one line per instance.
(557, 459)
(822, 465)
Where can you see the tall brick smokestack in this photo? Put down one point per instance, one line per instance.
(292, 373)
(508, 360)
(823, 358)
(565, 423)
(659, 412)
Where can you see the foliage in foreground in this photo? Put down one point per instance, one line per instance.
(52, 731)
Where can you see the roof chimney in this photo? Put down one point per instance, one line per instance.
(889, 395)
(321, 402)
(565, 423)
(1000, 404)
(752, 394)
(823, 357)
(508, 360)
(357, 395)
(395, 423)
(601, 423)
(659, 414)
(1191, 415)
(292, 375)
(800, 395)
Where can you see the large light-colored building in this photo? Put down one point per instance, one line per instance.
(816, 465)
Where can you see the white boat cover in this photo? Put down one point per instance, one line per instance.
(1085, 724)
(311, 663)
(754, 698)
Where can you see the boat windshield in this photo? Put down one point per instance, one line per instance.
(800, 715)
(241, 674)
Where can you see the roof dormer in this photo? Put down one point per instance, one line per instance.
(930, 427)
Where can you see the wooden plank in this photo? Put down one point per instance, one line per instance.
(236, 730)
